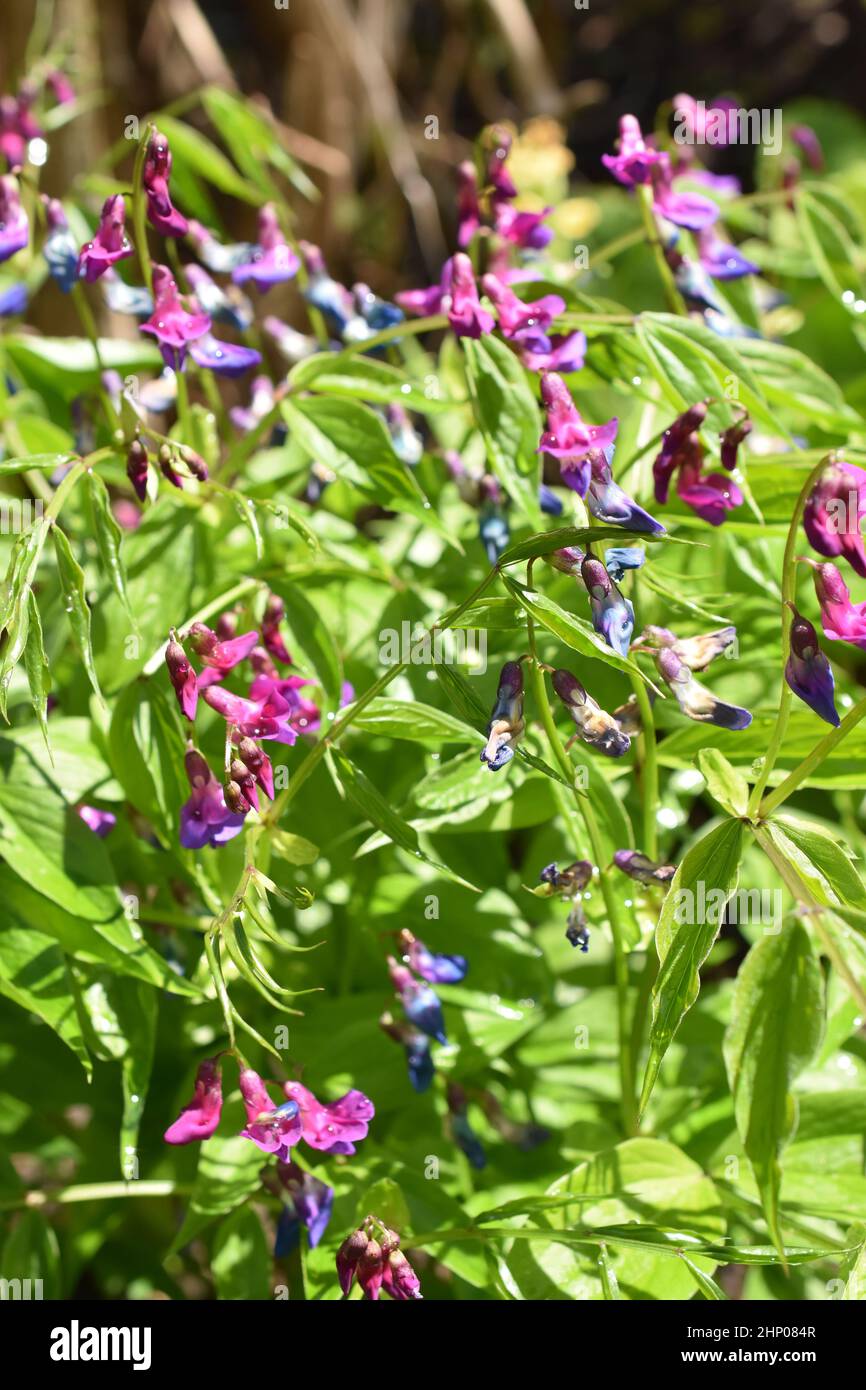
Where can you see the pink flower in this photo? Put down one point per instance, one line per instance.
(468, 212)
(109, 245)
(221, 656)
(524, 229)
(182, 677)
(842, 620)
(170, 323)
(526, 323)
(14, 228)
(421, 302)
(199, 1119)
(205, 819)
(635, 159)
(711, 495)
(567, 438)
(161, 213)
(100, 822)
(274, 1129)
(333, 1128)
(267, 716)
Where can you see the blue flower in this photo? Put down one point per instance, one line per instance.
(506, 720)
(612, 615)
(808, 672)
(438, 969)
(619, 558)
(493, 531)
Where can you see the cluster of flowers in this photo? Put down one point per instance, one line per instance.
(832, 519)
(676, 660)
(423, 1009)
(328, 1128)
(710, 495)
(274, 710)
(372, 1254)
(569, 883)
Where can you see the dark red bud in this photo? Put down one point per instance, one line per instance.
(195, 463)
(235, 799)
(203, 639)
(136, 468)
(166, 463)
(251, 755)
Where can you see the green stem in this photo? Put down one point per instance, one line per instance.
(672, 294)
(88, 323)
(220, 987)
(100, 1192)
(139, 209)
(789, 590)
(397, 330)
(628, 1097)
(649, 768)
(813, 760)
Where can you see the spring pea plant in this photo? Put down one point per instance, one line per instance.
(431, 793)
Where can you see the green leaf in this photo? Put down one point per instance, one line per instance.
(347, 374)
(146, 748)
(75, 603)
(826, 853)
(31, 1253)
(36, 666)
(407, 719)
(34, 463)
(69, 367)
(293, 848)
(708, 1287)
(313, 637)
(34, 975)
(376, 809)
(776, 1026)
(252, 140)
(724, 783)
(579, 536)
(690, 920)
(228, 1172)
(240, 1258)
(607, 1273)
(509, 419)
(109, 537)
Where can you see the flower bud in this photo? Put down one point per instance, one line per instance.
(182, 677)
(235, 799)
(136, 468)
(166, 463)
(195, 463)
(808, 672)
(348, 1257)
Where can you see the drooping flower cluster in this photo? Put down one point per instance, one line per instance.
(710, 495)
(274, 710)
(372, 1255)
(677, 659)
(421, 1005)
(568, 884)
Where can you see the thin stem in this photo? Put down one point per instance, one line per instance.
(628, 1098)
(139, 210)
(220, 987)
(100, 1192)
(813, 760)
(398, 330)
(88, 323)
(789, 589)
(672, 294)
(649, 783)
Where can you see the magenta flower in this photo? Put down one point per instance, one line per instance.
(199, 1119)
(161, 213)
(468, 211)
(245, 418)
(807, 141)
(14, 228)
(100, 822)
(304, 716)
(172, 326)
(61, 88)
(690, 210)
(335, 1127)
(267, 716)
(421, 302)
(565, 352)
(275, 611)
(523, 229)
(259, 765)
(399, 1279)
(498, 147)
(221, 656)
(205, 819)
(273, 260)
(711, 495)
(721, 260)
(273, 1128)
(635, 160)
(567, 438)
(109, 245)
(13, 145)
(182, 677)
(524, 323)
(842, 620)
(226, 359)
(460, 299)
(834, 512)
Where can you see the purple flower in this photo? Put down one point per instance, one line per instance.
(14, 228)
(421, 1003)
(710, 495)
(694, 699)
(594, 725)
(438, 969)
(275, 612)
(13, 301)
(334, 1127)
(696, 652)
(525, 323)
(224, 305)
(312, 1199)
(349, 1257)
(172, 326)
(325, 293)
(217, 257)
(523, 229)
(493, 531)
(462, 1132)
(607, 501)
(635, 160)
(399, 1279)
(612, 615)
(100, 822)
(199, 1119)
(273, 1129)
(273, 260)
(834, 512)
(109, 245)
(161, 213)
(806, 140)
(506, 720)
(221, 656)
(548, 501)
(293, 345)
(566, 883)
(460, 299)
(226, 359)
(576, 930)
(376, 313)
(567, 438)
(245, 418)
(497, 146)
(639, 867)
(808, 672)
(267, 715)
(205, 819)
(121, 298)
(842, 620)
(678, 441)
(731, 439)
(721, 260)
(565, 352)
